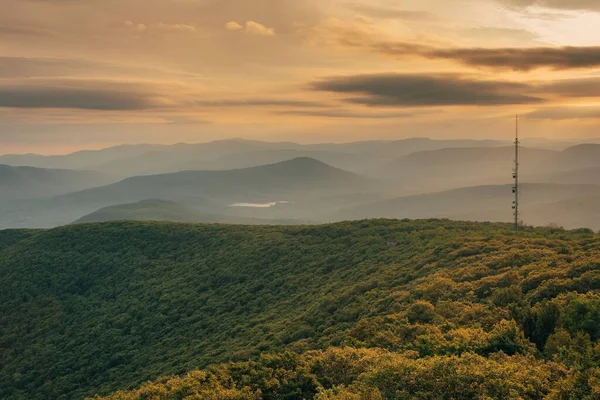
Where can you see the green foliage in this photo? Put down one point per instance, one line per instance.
(453, 310)
(365, 374)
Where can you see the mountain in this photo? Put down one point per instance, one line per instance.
(582, 211)
(161, 210)
(182, 157)
(134, 160)
(392, 149)
(341, 160)
(369, 309)
(485, 203)
(79, 160)
(281, 181)
(452, 168)
(146, 210)
(581, 156)
(590, 176)
(300, 186)
(18, 183)
(459, 167)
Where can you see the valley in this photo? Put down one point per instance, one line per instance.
(275, 182)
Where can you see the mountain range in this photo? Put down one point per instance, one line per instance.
(240, 180)
(19, 183)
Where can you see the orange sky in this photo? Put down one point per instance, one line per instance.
(93, 73)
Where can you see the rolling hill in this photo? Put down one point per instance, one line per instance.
(589, 176)
(146, 210)
(84, 159)
(134, 160)
(161, 210)
(297, 177)
(488, 203)
(452, 168)
(369, 309)
(570, 213)
(580, 156)
(460, 167)
(307, 184)
(341, 160)
(19, 183)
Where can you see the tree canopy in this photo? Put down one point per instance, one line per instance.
(430, 309)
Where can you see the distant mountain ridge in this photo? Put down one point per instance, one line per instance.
(308, 182)
(301, 181)
(129, 160)
(488, 203)
(299, 176)
(18, 183)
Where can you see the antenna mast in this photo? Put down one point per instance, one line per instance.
(516, 188)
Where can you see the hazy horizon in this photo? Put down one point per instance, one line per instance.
(508, 141)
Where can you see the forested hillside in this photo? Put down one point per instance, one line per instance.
(382, 309)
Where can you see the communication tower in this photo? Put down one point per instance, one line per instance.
(516, 188)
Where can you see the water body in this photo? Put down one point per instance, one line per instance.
(259, 205)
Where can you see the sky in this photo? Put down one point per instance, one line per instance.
(94, 73)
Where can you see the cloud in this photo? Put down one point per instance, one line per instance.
(23, 67)
(176, 27)
(345, 114)
(233, 26)
(259, 29)
(523, 59)
(78, 94)
(581, 88)
(416, 90)
(137, 27)
(253, 28)
(591, 5)
(367, 37)
(257, 103)
(161, 26)
(8, 30)
(565, 113)
(492, 34)
(392, 13)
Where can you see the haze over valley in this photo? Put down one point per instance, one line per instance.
(412, 178)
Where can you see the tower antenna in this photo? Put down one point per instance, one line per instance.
(516, 188)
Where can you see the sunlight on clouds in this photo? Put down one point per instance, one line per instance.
(248, 66)
(253, 28)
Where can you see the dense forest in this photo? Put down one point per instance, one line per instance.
(430, 309)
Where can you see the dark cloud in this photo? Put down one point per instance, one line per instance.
(414, 90)
(87, 95)
(522, 59)
(583, 87)
(565, 113)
